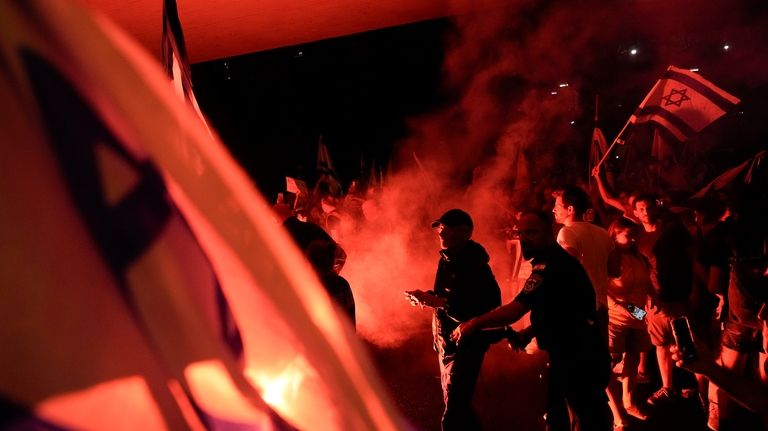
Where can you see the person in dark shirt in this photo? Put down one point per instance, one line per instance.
(561, 300)
(321, 255)
(745, 335)
(668, 247)
(304, 233)
(465, 287)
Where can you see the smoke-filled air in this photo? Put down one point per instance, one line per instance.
(516, 80)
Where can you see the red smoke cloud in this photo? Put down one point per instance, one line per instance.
(506, 134)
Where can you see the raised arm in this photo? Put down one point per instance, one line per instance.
(604, 195)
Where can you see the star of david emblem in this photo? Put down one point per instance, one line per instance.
(678, 101)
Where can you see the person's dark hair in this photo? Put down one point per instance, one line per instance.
(321, 255)
(620, 224)
(577, 198)
(544, 216)
(282, 211)
(648, 198)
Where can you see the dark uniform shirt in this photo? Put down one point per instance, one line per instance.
(562, 303)
(466, 281)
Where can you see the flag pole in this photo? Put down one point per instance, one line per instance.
(608, 151)
(643, 103)
(592, 142)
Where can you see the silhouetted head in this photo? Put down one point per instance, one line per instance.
(454, 228)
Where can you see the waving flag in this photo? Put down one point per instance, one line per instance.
(683, 103)
(122, 216)
(326, 175)
(598, 148)
(175, 57)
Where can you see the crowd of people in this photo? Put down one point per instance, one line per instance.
(604, 293)
(601, 299)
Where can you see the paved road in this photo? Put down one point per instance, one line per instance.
(510, 394)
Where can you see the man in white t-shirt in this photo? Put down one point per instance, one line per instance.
(587, 242)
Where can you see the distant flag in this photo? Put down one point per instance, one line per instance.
(374, 177)
(598, 147)
(324, 164)
(121, 212)
(747, 173)
(669, 170)
(298, 188)
(326, 174)
(683, 103)
(680, 104)
(385, 177)
(295, 186)
(175, 57)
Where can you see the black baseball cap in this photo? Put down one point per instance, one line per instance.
(454, 217)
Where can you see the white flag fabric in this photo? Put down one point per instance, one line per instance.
(122, 217)
(683, 103)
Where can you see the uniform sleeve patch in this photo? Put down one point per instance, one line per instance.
(532, 283)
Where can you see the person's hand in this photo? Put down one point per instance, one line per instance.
(701, 364)
(653, 305)
(411, 296)
(424, 299)
(461, 331)
(720, 305)
(595, 171)
(518, 340)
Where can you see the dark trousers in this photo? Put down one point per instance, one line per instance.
(459, 371)
(576, 398)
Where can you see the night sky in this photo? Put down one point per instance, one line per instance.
(454, 90)
(357, 92)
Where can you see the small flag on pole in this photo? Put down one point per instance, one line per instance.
(683, 103)
(297, 187)
(325, 172)
(175, 55)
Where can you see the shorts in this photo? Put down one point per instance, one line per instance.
(660, 322)
(630, 340)
(744, 338)
(625, 333)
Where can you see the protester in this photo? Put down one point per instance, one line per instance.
(667, 246)
(747, 391)
(623, 204)
(465, 287)
(707, 299)
(588, 243)
(561, 300)
(321, 255)
(745, 336)
(627, 332)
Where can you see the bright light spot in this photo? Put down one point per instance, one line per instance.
(281, 390)
(573, 122)
(726, 47)
(553, 93)
(563, 85)
(633, 51)
(695, 69)
(617, 157)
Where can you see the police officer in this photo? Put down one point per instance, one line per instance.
(561, 300)
(464, 288)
